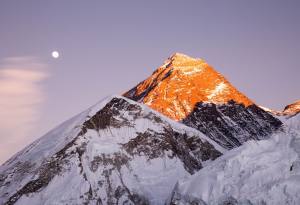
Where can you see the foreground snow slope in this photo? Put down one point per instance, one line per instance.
(117, 152)
(258, 172)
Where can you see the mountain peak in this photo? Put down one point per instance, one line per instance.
(184, 63)
(99, 157)
(292, 109)
(181, 82)
(181, 57)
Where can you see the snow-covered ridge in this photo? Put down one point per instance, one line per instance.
(289, 110)
(292, 109)
(55, 139)
(117, 151)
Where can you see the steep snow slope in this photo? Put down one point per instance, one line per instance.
(273, 112)
(258, 172)
(294, 122)
(117, 152)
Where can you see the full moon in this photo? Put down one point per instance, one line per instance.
(55, 54)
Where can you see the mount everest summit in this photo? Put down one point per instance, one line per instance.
(185, 135)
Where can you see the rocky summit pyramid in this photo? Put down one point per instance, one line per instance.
(189, 90)
(180, 83)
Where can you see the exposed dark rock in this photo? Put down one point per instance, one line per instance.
(106, 117)
(116, 160)
(178, 199)
(191, 150)
(231, 124)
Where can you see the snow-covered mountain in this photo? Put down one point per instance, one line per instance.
(288, 111)
(258, 172)
(117, 152)
(191, 91)
(185, 135)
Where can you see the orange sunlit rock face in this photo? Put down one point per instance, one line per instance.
(175, 87)
(292, 109)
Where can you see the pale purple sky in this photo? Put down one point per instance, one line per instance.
(107, 47)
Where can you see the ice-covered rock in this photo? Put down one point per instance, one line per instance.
(117, 152)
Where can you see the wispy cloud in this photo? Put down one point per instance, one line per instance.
(21, 96)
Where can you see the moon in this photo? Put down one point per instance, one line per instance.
(55, 54)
